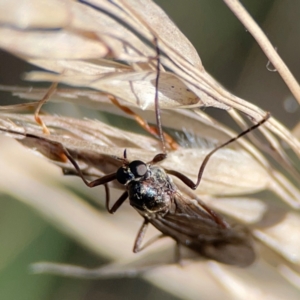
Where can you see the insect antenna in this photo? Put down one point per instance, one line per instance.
(193, 185)
(156, 102)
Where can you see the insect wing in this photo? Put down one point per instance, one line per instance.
(192, 226)
(53, 147)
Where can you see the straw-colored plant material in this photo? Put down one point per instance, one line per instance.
(98, 25)
(79, 43)
(92, 143)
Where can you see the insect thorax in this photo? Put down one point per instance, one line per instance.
(153, 193)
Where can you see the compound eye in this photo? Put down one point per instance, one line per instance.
(138, 168)
(123, 176)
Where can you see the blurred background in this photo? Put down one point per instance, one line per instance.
(228, 53)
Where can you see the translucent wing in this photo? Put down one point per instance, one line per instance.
(191, 225)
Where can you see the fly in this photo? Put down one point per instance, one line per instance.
(154, 195)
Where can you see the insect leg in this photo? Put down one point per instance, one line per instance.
(140, 236)
(117, 204)
(193, 185)
(138, 241)
(49, 93)
(64, 155)
(100, 181)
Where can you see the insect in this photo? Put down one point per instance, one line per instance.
(157, 199)
(154, 195)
